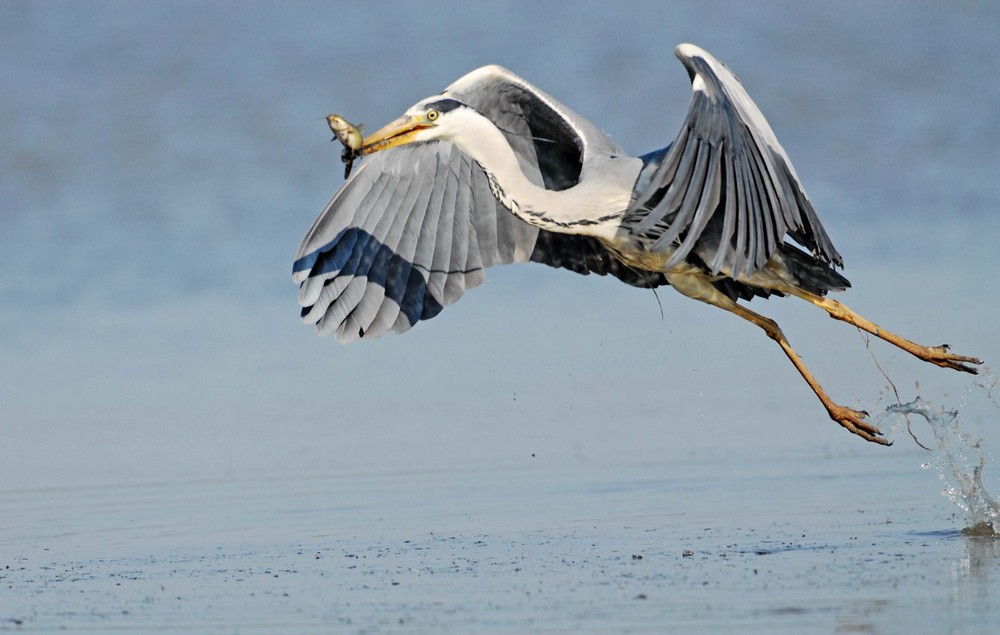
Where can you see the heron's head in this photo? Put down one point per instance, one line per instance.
(432, 118)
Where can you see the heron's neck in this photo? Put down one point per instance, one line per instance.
(565, 211)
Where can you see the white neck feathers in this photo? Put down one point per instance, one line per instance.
(577, 210)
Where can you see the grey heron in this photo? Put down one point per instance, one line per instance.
(494, 171)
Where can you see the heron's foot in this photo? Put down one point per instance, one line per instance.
(940, 356)
(854, 421)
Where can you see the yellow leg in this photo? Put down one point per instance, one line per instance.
(853, 420)
(937, 355)
(697, 286)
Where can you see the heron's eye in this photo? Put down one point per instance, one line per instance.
(432, 115)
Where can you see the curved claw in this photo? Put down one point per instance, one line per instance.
(940, 356)
(854, 422)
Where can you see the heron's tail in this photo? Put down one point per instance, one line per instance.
(811, 274)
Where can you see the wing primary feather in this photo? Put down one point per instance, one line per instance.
(328, 260)
(749, 215)
(665, 176)
(327, 265)
(363, 238)
(476, 261)
(673, 198)
(455, 284)
(764, 223)
(774, 224)
(441, 259)
(350, 330)
(369, 257)
(406, 284)
(337, 311)
(729, 218)
(400, 290)
(395, 254)
(691, 194)
(708, 201)
(485, 225)
(330, 291)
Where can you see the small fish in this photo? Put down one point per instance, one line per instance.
(349, 135)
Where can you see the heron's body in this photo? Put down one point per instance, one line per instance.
(494, 171)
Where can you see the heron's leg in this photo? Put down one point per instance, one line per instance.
(853, 420)
(937, 355)
(699, 288)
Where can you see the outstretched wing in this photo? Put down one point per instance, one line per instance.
(406, 235)
(725, 188)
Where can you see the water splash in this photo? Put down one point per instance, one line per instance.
(960, 457)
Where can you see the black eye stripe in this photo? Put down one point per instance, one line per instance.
(444, 105)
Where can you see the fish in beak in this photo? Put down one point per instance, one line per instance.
(399, 132)
(350, 136)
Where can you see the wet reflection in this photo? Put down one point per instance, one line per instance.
(982, 555)
(971, 575)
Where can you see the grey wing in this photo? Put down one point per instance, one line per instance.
(406, 235)
(725, 188)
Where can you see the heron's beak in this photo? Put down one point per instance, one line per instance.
(397, 133)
